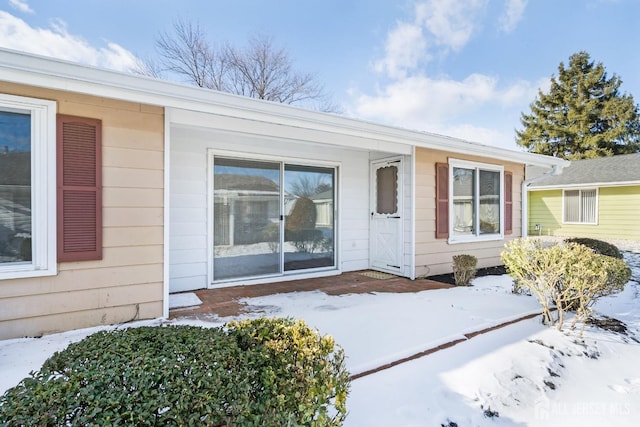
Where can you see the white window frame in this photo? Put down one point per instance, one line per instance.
(43, 187)
(580, 190)
(477, 167)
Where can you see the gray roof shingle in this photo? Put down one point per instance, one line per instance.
(614, 169)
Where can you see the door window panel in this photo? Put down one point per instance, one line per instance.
(309, 221)
(246, 218)
(387, 190)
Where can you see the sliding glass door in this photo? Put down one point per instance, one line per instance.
(308, 229)
(271, 217)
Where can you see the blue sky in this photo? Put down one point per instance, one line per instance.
(464, 68)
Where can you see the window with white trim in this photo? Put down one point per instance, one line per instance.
(580, 206)
(475, 205)
(27, 187)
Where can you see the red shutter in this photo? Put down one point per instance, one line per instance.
(508, 202)
(442, 200)
(79, 176)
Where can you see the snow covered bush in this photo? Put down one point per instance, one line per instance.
(565, 276)
(185, 375)
(464, 269)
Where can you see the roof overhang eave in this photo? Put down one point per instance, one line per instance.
(585, 185)
(34, 70)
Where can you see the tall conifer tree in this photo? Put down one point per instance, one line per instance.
(583, 116)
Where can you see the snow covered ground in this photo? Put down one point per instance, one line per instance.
(522, 375)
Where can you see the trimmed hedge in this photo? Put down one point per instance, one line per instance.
(598, 246)
(253, 373)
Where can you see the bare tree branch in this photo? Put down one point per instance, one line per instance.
(188, 54)
(260, 70)
(147, 67)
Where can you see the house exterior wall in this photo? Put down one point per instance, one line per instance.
(434, 256)
(127, 283)
(188, 241)
(617, 214)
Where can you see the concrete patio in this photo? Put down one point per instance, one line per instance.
(225, 302)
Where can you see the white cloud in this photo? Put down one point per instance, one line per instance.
(451, 22)
(512, 14)
(20, 5)
(57, 42)
(437, 27)
(405, 48)
(417, 101)
(478, 108)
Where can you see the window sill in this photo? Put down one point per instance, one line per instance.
(24, 272)
(579, 223)
(474, 239)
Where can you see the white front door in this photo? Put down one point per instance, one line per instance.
(386, 215)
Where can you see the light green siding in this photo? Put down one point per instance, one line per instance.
(545, 208)
(618, 214)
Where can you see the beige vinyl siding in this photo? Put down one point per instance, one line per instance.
(434, 256)
(127, 283)
(617, 216)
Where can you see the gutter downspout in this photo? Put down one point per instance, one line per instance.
(166, 216)
(556, 170)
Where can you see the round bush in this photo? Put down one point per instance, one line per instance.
(301, 379)
(598, 246)
(183, 375)
(570, 276)
(464, 269)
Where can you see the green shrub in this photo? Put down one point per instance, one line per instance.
(598, 246)
(568, 275)
(302, 379)
(464, 269)
(180, 375)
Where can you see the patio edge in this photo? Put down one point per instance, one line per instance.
(467, 337)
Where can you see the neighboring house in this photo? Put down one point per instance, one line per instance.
(598, 198)
(140, 187)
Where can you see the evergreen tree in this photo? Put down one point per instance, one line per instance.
(583, 115)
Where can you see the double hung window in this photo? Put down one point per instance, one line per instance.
(580, 206)
(476, 203)
(27, 187)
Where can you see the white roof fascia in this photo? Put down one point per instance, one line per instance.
(34, 70)
(586, 185)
